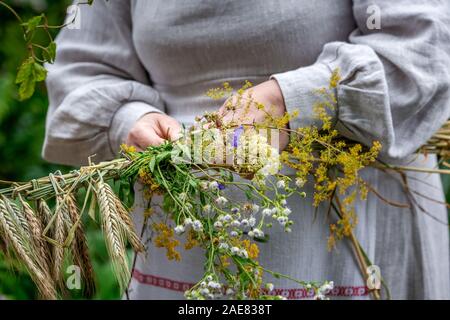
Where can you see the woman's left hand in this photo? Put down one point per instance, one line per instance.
(268, 94)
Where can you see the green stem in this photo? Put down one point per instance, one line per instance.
(12, 11)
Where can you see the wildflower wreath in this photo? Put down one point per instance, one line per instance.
(41, 221)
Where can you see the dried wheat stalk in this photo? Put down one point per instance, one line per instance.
(16, 236)
(60, 237)
(36, 236)
(128, 227)
(112, 226)
(80, 249)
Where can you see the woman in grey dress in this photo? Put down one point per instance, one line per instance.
(136, 68)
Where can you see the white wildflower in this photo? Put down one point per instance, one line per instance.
(235, 223)
(203, 185)
(326, 287)
(243, 253)
(267, 212)
(221, 201)
(282, 220)
(204, 291)
(235, 250)
(299, 182)
(223, 245)
(197, 225)
(213, 185)
(227, 218)
(281, 184)
(213, 284)
(244, 223)
(179, 229)
(258, 233)
(251, 221)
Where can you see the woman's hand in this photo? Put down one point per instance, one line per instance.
(152, 129)
(268, 94)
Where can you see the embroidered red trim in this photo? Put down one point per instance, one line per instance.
(296, 293)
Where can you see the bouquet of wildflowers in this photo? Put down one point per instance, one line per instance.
(41, 221)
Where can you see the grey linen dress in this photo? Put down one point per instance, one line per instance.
(130, 58)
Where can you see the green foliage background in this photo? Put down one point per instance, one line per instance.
(22, 127)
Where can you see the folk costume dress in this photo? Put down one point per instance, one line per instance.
(131, 58)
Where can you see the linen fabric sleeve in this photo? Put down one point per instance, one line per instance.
(97, 87)
(395, 80)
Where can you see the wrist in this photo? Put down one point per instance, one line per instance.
(276, 96)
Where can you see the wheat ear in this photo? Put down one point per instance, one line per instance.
(36, 231)
(20, 217)
(80, 248)
(128, 227)
(14, 235)
(60, 237)
(113, 230)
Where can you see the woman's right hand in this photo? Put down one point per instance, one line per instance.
(153, 129)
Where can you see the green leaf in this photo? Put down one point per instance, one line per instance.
(50, 54)
(40, 72)
(152, 164)
(25, 70)
(193, 183)
(162, 156)
(33, 23)
(92, 207)
(29, 73)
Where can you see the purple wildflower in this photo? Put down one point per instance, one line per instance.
(237, 134)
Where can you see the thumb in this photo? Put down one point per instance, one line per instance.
(171, 129)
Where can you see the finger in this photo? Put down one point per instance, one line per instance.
(171, 129)
(144, 137)
(150, 138)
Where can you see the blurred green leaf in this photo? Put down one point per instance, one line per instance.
(31, 25)
(29, 73)
(50, 54)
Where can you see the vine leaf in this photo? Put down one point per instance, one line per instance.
(29, 73)
(50, 53)
(33, 23)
